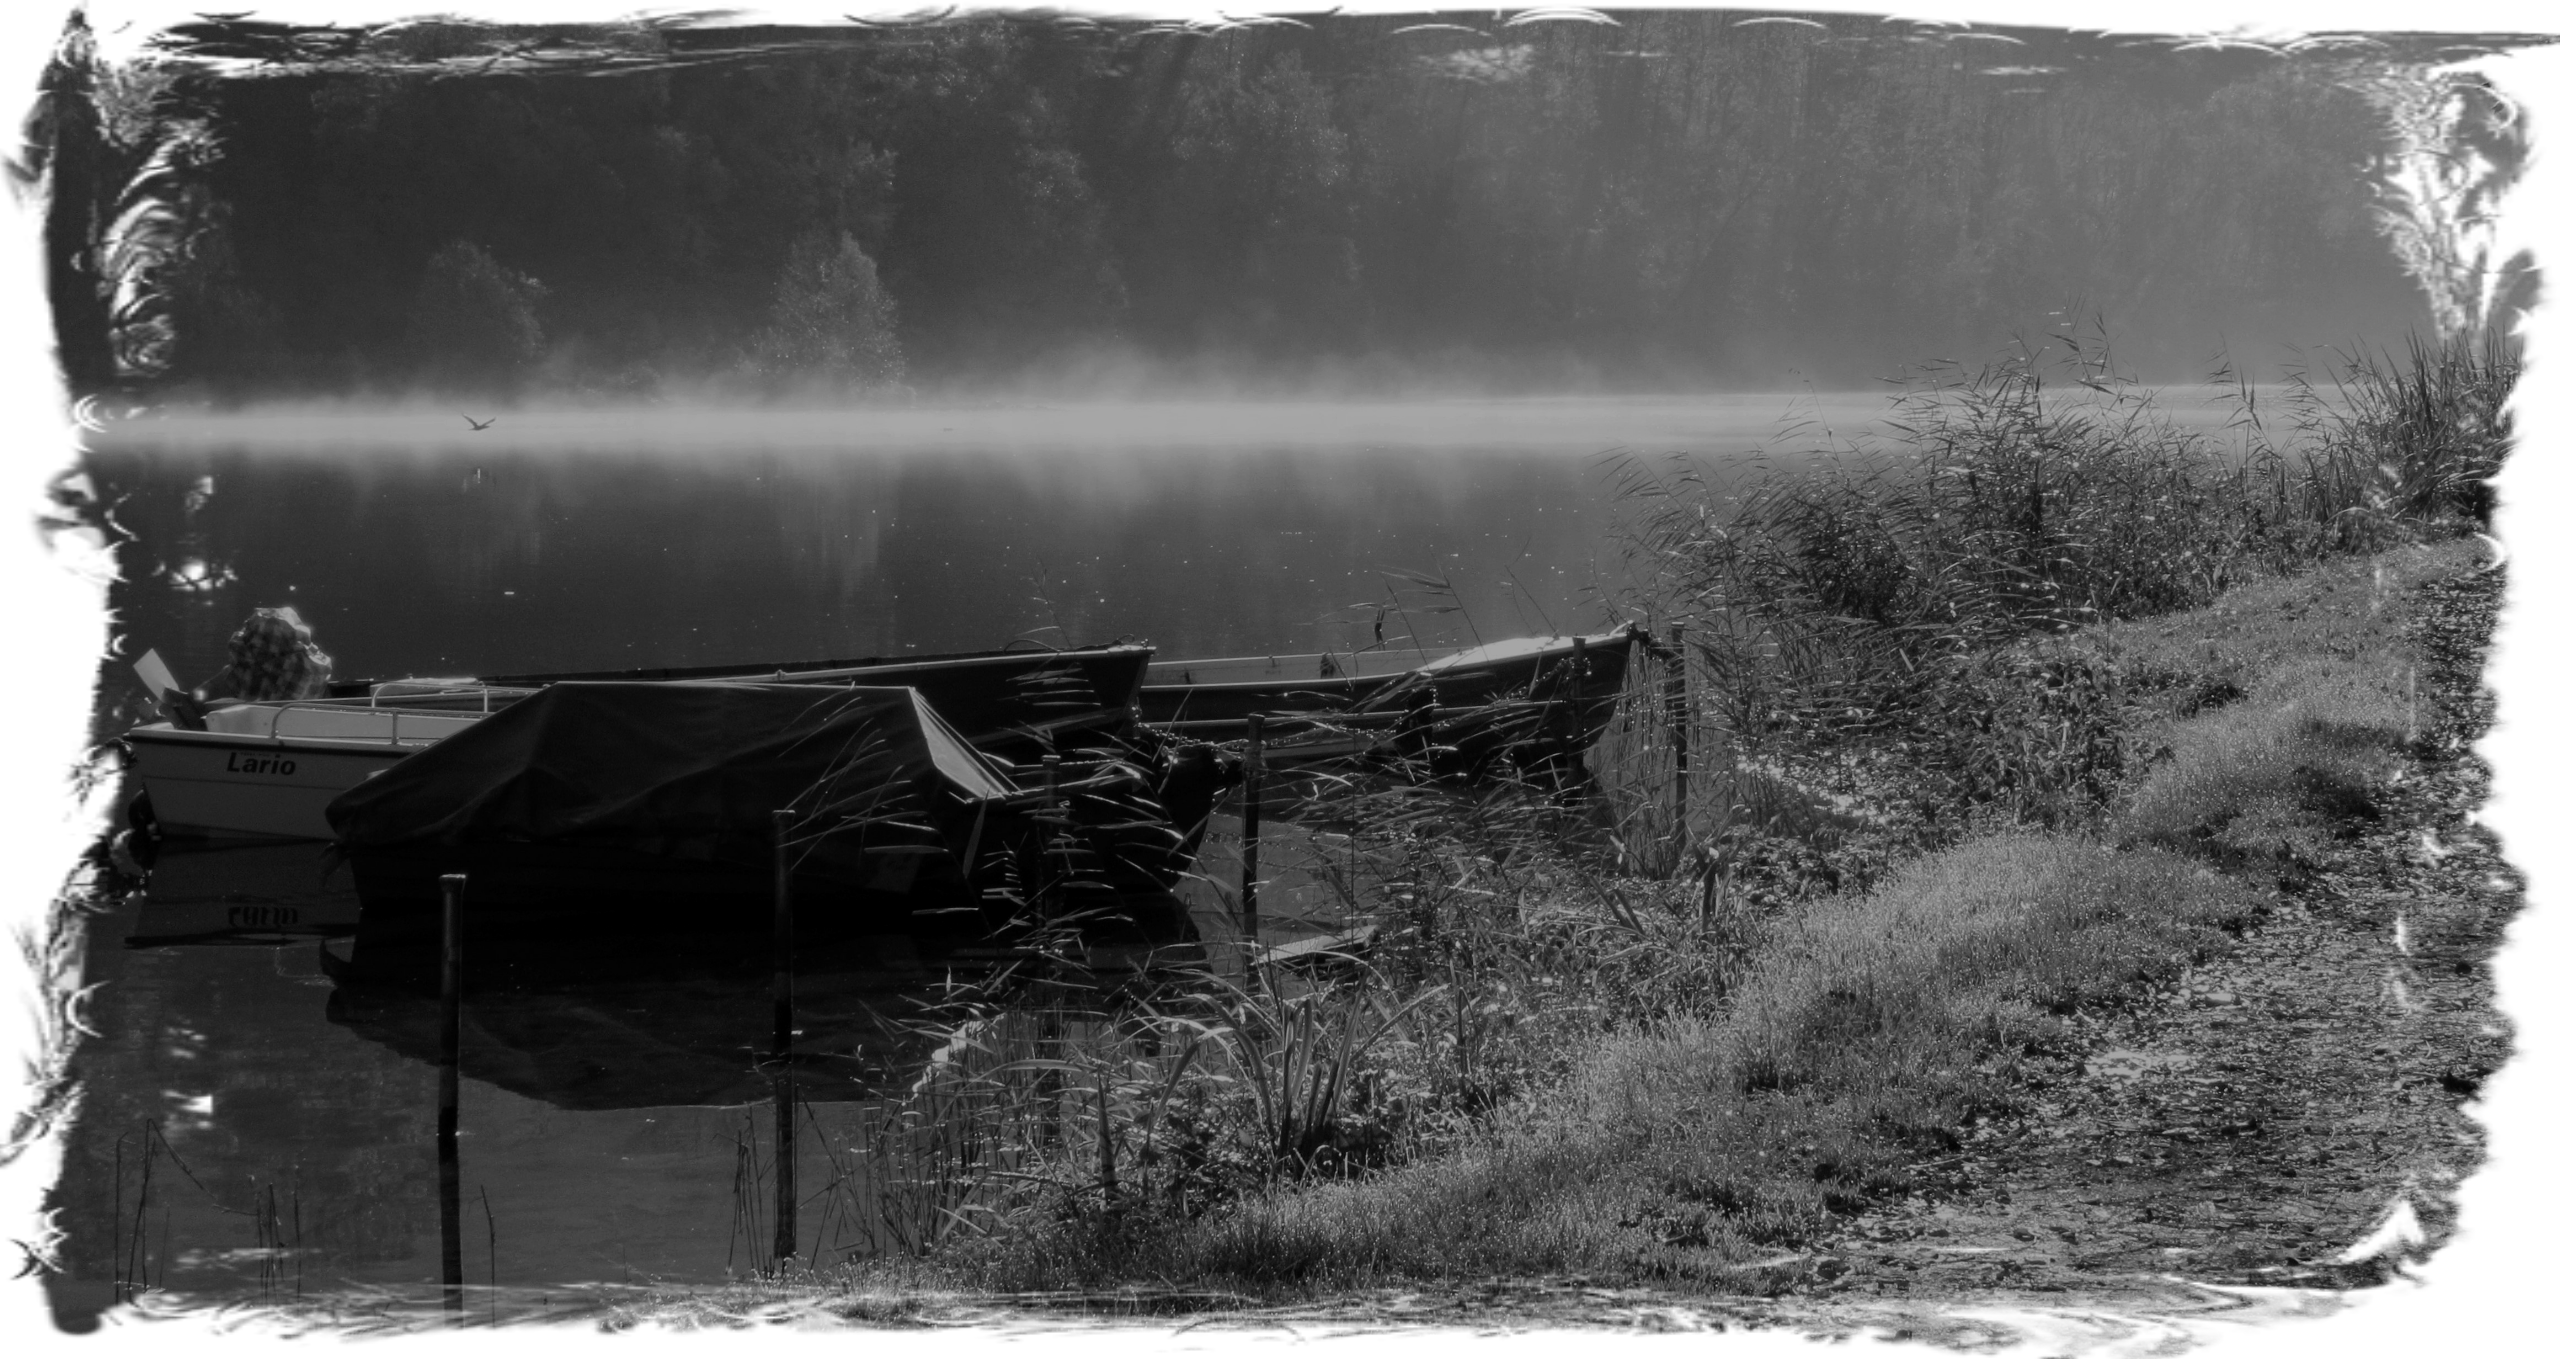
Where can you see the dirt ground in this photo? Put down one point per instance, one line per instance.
(2338, 1140)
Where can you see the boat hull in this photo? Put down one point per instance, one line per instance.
(212, 785)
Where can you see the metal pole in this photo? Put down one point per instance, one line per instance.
(1676, 702)
(1248, 891)
(449, 1091)
(786, 1189)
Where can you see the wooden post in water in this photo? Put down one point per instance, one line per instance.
(449, 1091)
(1573, 690)
(1675, 695)
(1711, 890)
(1049, 825)
(1248, 891)
(786, 1188)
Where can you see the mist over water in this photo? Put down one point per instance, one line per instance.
(574, 539)
(628, 538)
(1550, 425)
(1033, 224)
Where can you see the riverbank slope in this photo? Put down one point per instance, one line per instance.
(2227, 1033)
(2298, 1110)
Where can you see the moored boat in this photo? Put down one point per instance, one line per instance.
(1535, 702)
(267, 769)
(641, 815)
(270, 769)
(1012, 699)
(1231, 688)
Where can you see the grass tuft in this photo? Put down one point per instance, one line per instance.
(1980, 723)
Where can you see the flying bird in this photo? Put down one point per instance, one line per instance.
(479, 424)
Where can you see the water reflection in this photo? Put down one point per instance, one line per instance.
(234, 1137)
(200, 1127)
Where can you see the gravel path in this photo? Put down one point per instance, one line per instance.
(2338, 1140)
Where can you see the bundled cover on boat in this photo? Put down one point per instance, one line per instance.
(683, 771)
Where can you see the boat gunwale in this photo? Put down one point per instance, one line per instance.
(790, 671)
(164, 733)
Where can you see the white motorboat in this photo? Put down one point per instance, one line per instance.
(269, 769)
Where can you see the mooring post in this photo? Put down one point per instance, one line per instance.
(1675, 692)
(786, 1188)
(449, 1091)
(1248, 891)
(1711, 890)
(1574, 685)
(1048, 822)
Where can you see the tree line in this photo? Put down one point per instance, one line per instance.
(1679, 199)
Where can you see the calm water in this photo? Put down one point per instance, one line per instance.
(288, 1130)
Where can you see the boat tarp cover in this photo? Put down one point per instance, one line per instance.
(690, 770)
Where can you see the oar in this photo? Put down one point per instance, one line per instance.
(175, 702)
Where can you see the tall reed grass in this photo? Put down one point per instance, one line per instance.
(2414, 438)
(1931, 821)
(1860, 601)
(1063, 1119)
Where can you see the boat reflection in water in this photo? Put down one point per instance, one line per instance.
(211, 891)
(636, 1041)
(245, 891)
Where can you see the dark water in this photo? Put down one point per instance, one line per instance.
(195, 1137)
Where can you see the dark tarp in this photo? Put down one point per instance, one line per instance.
(685, 771)
(995, 698)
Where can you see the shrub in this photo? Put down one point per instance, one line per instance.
(1859, 621)
(831, 324)
(474, 325)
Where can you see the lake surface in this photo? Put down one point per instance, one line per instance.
(248, 1130)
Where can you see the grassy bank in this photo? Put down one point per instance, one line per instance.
(1570, 1112)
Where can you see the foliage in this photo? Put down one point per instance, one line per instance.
(1331, 201)
(473, 325)
(80, 101)
(2421, 435)
(2269, 727)
(1540, 1062)
(832, 323)
(1867, 624)
(1859, 1035)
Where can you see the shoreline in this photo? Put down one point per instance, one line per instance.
(1678, 1176)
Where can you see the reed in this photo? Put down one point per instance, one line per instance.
(1921, 696)
(1853, 609)
(2440, 428)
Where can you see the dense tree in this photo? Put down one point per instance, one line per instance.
(832, 326)
(1676, 199)
(473, 326)
(536, 129)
